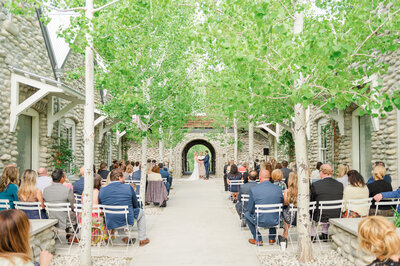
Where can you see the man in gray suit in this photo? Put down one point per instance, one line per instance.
(57, 193)
(245, 189)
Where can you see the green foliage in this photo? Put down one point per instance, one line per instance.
(63, 156)
(287, 144)
(396, 218)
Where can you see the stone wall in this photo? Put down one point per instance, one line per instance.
(43, 237)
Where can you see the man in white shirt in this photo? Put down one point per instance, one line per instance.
(43, 180)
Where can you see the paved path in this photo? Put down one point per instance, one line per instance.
(197, 228)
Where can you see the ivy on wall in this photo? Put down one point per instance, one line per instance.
(63, 158)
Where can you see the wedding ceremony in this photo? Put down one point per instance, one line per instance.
(213, 132)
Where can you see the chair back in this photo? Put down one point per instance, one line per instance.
(245, 197)
(4, 204)
(330, 205)
(59, 207)
(358, 203)
(78, 198)
(233, 183)
(387, 202)
(268, 209)
(164, 179)
(140, 200)
(29, 206)
(115, 209)
(312, 208)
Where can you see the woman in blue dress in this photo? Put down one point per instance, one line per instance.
(234, 174)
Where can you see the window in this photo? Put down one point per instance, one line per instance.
(323, 140)
(69, 136)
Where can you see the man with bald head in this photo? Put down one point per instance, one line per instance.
(326, 188)
(43, 180)
(79, 185)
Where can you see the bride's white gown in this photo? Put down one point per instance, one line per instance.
(195, 173)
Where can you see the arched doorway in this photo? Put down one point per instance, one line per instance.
(185, 162)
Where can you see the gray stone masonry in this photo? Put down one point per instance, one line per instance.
(42, 236)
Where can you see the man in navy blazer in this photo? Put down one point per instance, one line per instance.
(207, 164)
(164, 174)
(80, 184)
(117, 194)
(245, 189)
(263, 193)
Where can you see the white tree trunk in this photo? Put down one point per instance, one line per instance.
(303, 202)
(251, 141)
(170, 158)
(161, 150)
(144, 167)
(87, 197)
(235, 144)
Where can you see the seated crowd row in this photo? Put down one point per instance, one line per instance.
(279, 185)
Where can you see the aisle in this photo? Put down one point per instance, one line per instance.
(197, 228)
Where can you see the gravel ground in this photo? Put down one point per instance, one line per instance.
(326, 257)
(60, 260)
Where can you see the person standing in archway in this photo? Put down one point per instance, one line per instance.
(202, 169)
(207, 165)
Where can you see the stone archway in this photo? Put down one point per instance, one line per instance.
(192, 143)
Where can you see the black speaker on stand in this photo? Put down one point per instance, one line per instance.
(266, 153)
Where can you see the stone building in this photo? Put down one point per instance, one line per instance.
(40, 104)
(345, 137)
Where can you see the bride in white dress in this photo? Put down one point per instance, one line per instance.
(195, 173)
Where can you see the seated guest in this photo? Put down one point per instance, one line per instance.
(234, 175)
(354, 191)
(277, 177)
(28, 192)
(128, 172)
(244, 172)
(285, 170)
(116, 194)
(289, 197)
(137, 167)
(263, 193)
(156, 191)
(103, 172)
(8, 185)
(99, 230)
(378, 236)
(165, 174)
(80, 184)
(66, 183)
(57, 193)
(226, 171)
(387, 195)
(278, 166)
(315, 174)
(136, 175)
(342, 175)
(379, 186)
(245, 189)
(14, 240)
(43, 180)
(386, 177)
(325, 189)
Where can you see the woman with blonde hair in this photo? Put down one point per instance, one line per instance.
(273, 163)
(289, 198)
(277, 177)
(128, 172)
(29, 193)
(342, 175)
(377, 235)
(8, 185)
(379, 186)
(14, 240)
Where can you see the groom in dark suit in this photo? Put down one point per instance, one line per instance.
(207, 164)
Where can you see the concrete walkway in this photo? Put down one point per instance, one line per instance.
(196, 228)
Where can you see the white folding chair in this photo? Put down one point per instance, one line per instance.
(268, 209)
(387, 202)
(29, 206)
(164, 180)
(233, 183)
(327, 205)
(118, 210)
(293, 217)
(244, 199)
(78, 198)
(96, 210)
(140, 200)
(4, 204)
(357, 203)
(53, 208)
